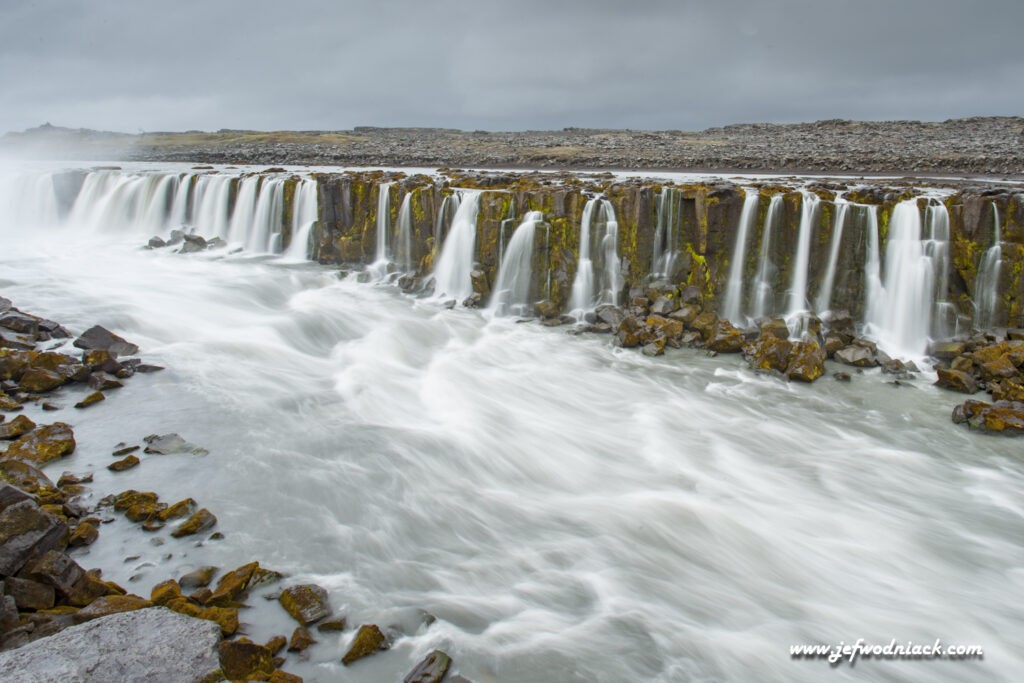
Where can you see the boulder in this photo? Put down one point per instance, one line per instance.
(1003, 417)
(368, 640)
(306, 603)
(40, 380)
(28, 594)
(432, 669)
(46, 443)
(629, 332)
(232, 585)
(332, 625)
(166, 592)
(16, 428)
(100, 359)
(23, 475)
(807, 362)
(856, 355)
(685, 314)
(724, 338)
(240, 661)
(123, 464)
(200, 578)
(97, 337)
(663, 305)
(669, 328)
(85, 533)
(110, 604)
(705, 324)
(145, 645)
(225, 617)
(1007, 390)
(12, 495)
(1000, 368)
(200, 521)
(301, 640)
(183, 508)
(56, 569)
(956, 380)
(101, 381)
(26, 532)
(547, 309)
(8, 404)
(609, 314)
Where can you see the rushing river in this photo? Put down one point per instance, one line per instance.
(569, 511)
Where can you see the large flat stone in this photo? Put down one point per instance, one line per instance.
(152, 645)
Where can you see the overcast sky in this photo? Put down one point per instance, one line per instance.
(291, 64)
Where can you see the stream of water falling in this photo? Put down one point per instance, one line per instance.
(798, 294)
(986, 289)
(452, 271)
(568, 510)
(762, 289)
(824, 300)
(513, 289)
(732, 309)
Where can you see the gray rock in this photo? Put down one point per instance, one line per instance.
(97, 337)
(166, 444)
(153, 645)
(27, 531)
(431, 670)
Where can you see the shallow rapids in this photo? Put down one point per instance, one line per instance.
(567, 510)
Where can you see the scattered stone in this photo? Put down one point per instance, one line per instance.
(16, 428)
(101, 381)
(161, 642)
(97, 337)
(56, 569)
(166, 444)
(301, 639)
(432, 669)
(332, 625)
(200, 578)
(280, 676)
(8, 404)
(841, 376)
(50, 407)
(306, 603)
(145, 367)
(166, 592)
(232, 585)
(183, 508)
(121, 449)
(92, 399)
(225, 617)
(276, 644)
(368, 640)
(46, 443)
(807, 362)
(857, 356)
(124, 464)
(1003, 417)
(200, 521)
(85, 533)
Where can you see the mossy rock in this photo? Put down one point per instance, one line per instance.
(16, 428)
(200, 521)
(241, 661)
(166, 592)
(110, 604)
(232, 585)
(369, 640)
(45, 444)
(225, 617)
(306, 603)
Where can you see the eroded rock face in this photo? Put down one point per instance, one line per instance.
(152, 644)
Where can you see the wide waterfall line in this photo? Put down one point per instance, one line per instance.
(761, 292)
(986, 288)
(304, 217)
(731, 309)
(513, 289)
(453, 271)
(598, 277)
(824, 300)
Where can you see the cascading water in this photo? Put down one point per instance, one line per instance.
(383, 255)
(403, 246)
(986, 288)
(824, 300)
(30, 199)
(512, 293)
(110, 201)
(665, 254)
(732, 308)
(762, 291)
(610, 266)
(444, 218)
(583, 284)
(798, 294)
(945, 321)
(452, 273)
(264, 235)
(901, 315)
(872, 264)
(211, 210)
(598, 274)
(304, 216)
(243, 217)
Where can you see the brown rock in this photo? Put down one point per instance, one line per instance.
(183, 508)
(27, 532)
(225, 617)
(724, 338)
(705, 324)
(671, 329)
(125, 463)
(91, 400)
(276, 644)
(131, 497)
(46, 443)
(56, 569)
(8, 404)
(807, 362)
(101, 359)
(85, 533)
(97, 337)
(14, 363)
(301, 639)
(40, 380)
(369, 639)
(166, 592)
(332, 625)
(143, 511)
(200, 521)
(956, 380)
(199, 578)
(432, 669)
(232, 585)
(124, 450)
(23, 475)
(101, 381)
(29, 595)
(280, 676)
(110, 604)
(306, 603)
(245, 661)
(16, 428)
(769, 352)
(1000, 368)
(1007, 390)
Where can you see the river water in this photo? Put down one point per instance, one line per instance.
(569, 511)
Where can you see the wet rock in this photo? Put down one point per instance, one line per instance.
(368, 640)
(156, 243)
(232, 585)
(97, 337)
(1000, 368)
(547, 309)
(280, 676)
(16, 428)
(56, 569)
(183, 508)
(956, 381)
(807, 362)
(1007, 390)
(663, 305)
(857, 356)
(301, 640)
(241, 661)
(200, 578)
(110, 604)
(1002, 417)
(685, 314)
(669, 328)
(101, 381)
(200, 521)
(306, 603)
(629, 332)
(23, 475)
(12, 495)
(769, 352)
(50, 407)
(166, 444)
(85, 533)
(276, 644)
(161, 642)
(26, 532)
(192, 244)
(40, 380)
(28, 594)
(8, 404)
(725, 338)
(225, 617)
(166, 592)
(123, 464)
(609, 314)
(690, 295)
(121, 449)
(90, 400)
(130, 498)
(432, 669)
(705, 323)
(145, 368)
(332, 625)
(43, 445)
(100, 359)
(654, 348)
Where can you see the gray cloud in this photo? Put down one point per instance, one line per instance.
(658, 64)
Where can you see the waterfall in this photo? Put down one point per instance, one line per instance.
(444, 218)
(304, 216)
(731, 310)
(901, 316)
(665, 252)
(611, 268)
(824, 301)
(264, 234)
(403, 247)
(244, 213)
(944, 316)
(761, 291)
(29, 200)
(872, 265)
(383, 225)
(986, 288)
(210, 215)
(180, 205)
(583, 284)
(798, 294)
(512, 290)
(452, 273)
(111, 201)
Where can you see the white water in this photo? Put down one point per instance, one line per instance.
(986, 289)
(761, 293)
(582, 298)
(403, 241)
(568, 510)
(452, 272)
(824, 300)
(732, 309)
(304, 217)
(666, 252)
(611, 268)
(512, 293)
(798, 294)
(945, 322)
(383, 228)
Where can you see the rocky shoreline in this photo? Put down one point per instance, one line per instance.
(60, 621)
(989, 146)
